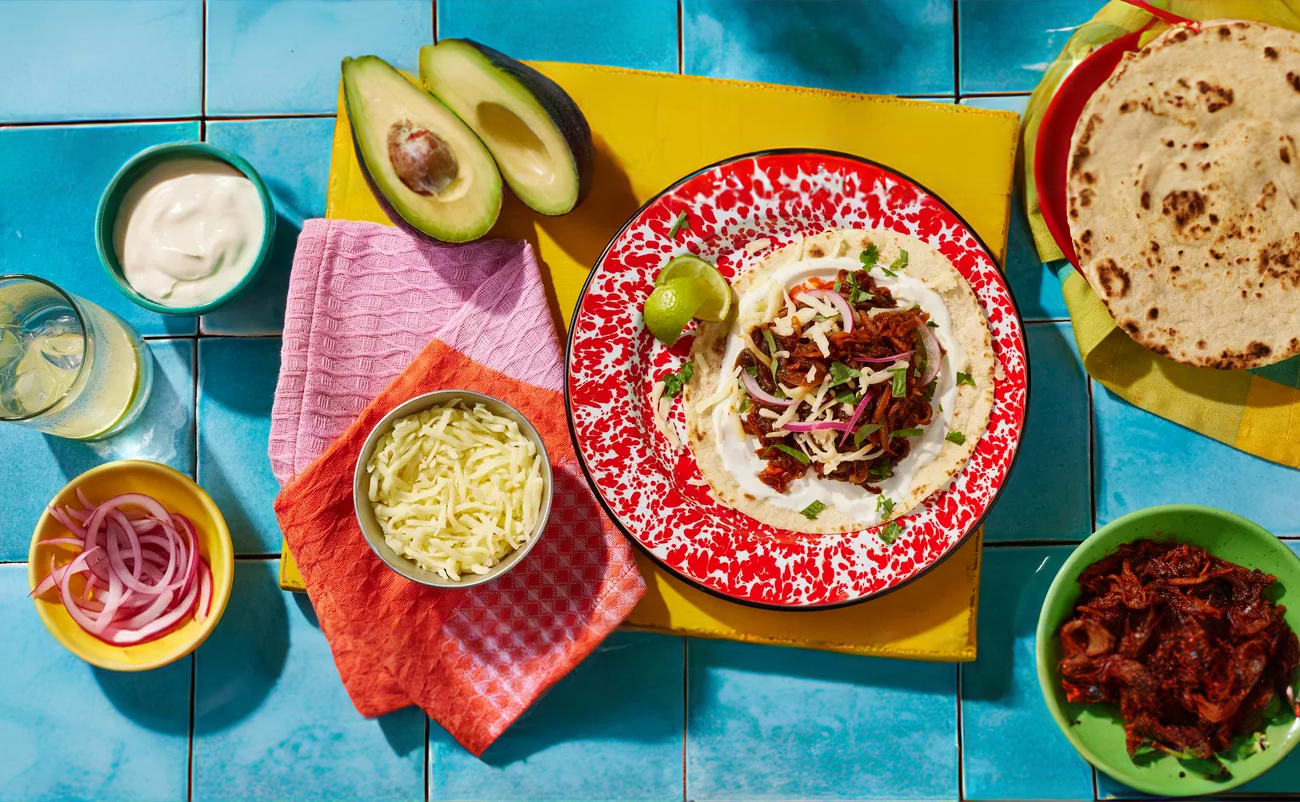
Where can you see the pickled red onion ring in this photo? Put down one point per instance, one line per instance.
(141, 566)
(751, 385)
(857, 413)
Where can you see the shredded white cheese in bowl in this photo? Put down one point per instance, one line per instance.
(452, 488)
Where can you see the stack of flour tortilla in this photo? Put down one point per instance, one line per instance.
(1184, 185)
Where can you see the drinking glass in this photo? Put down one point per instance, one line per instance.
(67, 366)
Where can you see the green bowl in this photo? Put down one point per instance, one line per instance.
(1097, 731)
(138, 165)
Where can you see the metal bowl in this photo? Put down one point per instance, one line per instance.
(366, 513)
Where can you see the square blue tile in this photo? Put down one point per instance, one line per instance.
(1033, 283)
(1003, 714)
(898, 47)
(89, 60)
(629, 33)
(38, 465)
(610, 730)
(237, 379)
(1141, 459)
(283, 57)
(1006, 44)
(768, 722)
(272, 719)
(1048, 494)
(72, 731)
(51, 180)
(293, 158)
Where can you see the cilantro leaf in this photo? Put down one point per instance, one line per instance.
(882, 470)
(793, 452)
(964, 378)
(901, 262)
(673, 381)
(899, 386)
(890, 533)
(932, 324)
(929, 390)
(909, 432)
(681, 222)
(812, 510)
(864, 431)
(744, 405)
(884, 505)
(841, 373)
(847, 397)
(752, 370)
(955, 437)
(869, 257)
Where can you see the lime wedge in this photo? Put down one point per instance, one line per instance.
(715, 292)
(671, 306)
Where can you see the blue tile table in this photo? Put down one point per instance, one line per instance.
(258, 711)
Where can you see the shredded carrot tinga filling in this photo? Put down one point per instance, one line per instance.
(838, 398)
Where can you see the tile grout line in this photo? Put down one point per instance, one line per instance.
(184, 118)
(961, 757)
(427, 768)
(681, 44)
(434, 12)
(203, 75)
(686, 697)
(1092, 502)
(956, 50)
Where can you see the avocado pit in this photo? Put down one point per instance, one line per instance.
(420, 158)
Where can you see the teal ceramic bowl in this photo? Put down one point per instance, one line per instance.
(111, 202)
(1097, 731)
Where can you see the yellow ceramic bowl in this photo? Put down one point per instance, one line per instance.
(177, 493)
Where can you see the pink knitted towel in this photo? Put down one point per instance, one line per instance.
(363, 301)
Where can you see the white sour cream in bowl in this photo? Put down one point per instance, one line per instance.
(188, 231)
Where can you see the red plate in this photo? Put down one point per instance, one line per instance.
(657, 496)
(1052, 150)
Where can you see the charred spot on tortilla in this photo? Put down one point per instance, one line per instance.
(1114, 279)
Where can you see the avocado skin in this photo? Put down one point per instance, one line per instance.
(391, 211)
(564, 113)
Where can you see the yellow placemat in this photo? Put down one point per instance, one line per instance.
(653, 128)
(1256, 411)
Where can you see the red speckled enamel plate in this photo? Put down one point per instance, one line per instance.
(656, 494)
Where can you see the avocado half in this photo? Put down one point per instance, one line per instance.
(428, 170)
(540, 139)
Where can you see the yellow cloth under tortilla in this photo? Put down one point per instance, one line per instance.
(1257, 411)
(653, 128)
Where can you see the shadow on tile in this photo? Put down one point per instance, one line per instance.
(259, 309)
(401, 737)
(605, 693)
(133, 693)
(243, 529)
(159, 434)
(243, 659)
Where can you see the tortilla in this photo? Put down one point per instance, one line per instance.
(1184, 182)
(970, 416)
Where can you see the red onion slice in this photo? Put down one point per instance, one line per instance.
(836, 300)
(751, 385)
(933, 353)
(880, 360)
(857, 413)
